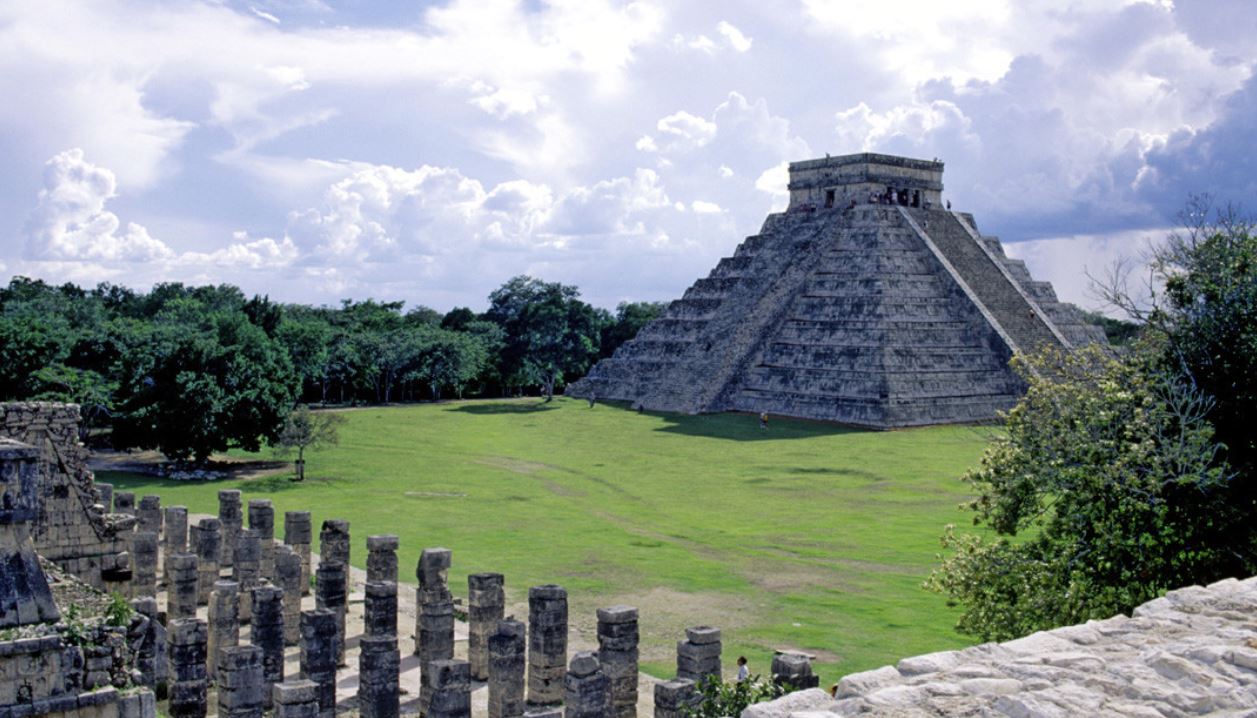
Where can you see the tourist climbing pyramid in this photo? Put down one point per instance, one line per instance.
(867, 302)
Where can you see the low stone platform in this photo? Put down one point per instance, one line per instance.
(1193, 652)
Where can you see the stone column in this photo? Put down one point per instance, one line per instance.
(229, 515)
(334, 545)
(794, 671)
(486, 601)
(547, 643)
(379, 664)
(699, 655)
(382, 558)
(295, 699)
(380, 609)
(298, 534)
(149, 514)
(146, 654)
(434, 627)
(143, 564)
(267, 633)
(449, 684)
(207, 543)
(506, 670)
(186, 642)
(586, 690)
(379, 661)
(124, 503)
(318, 656)
(262, 520)
(105, 491)
(673, 697)
(247, 569)
(329, 593)
(617, 654)
(224, 620)
(174, 537)
(181, 584)
(240, 684)
(288, 578)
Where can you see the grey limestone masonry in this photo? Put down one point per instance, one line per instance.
(506, 670)
(793, 670)
(299, 533)
(206, 538)
(379, 660)
(448, 683)
(379, 667)
(143, 564)
(486, 601)
(288, 578)
(379, 618)
(231, 516)
(1191, 652)
(124, 503)
(150, 639)
(174, 534)
(188, 682)
(267, 633)
(149, 513)
(295, 699)
(73, 528)
(240, 682)
(382, 558)
(224, 620)
(318, 656)
(25, 597)
(247, 569)
(586, 689)
(698, 656)
(672, 698)
(883, 313)
(262, 520)
(617, 654)
(182, 580)
(106, 496)
(434, 627)
(334, 544)
(547, 644)
(329, 594)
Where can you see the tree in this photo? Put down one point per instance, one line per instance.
(550, 333)
(195, 381)
(630, 317)
(305, 429)
(1110, 480)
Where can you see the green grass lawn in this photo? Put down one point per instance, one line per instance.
(806, 535)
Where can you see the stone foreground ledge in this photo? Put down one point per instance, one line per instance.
(1192, 652)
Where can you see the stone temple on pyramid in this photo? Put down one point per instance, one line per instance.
(867, 302)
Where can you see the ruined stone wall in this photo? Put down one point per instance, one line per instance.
(1192, 652)
(71, 529)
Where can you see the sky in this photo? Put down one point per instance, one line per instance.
(319, 150)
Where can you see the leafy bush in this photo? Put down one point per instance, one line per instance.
(718, 698)
(1110, 481)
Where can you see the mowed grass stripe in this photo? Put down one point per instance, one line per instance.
(806, 535)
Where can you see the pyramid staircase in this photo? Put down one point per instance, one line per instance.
(873, 315)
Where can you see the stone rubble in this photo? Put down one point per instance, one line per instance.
(1192, 652)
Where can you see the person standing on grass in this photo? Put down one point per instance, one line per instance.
(743, 671)
(592, 399)
(763, 420)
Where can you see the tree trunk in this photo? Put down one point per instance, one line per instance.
(301, 463)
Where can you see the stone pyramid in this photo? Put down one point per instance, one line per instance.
(866, 302)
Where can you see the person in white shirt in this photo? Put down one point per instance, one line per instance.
(743, 671)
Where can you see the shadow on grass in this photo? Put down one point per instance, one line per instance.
(494, 407)
(745, 427)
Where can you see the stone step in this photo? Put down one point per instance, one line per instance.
(837, 383)
(871, 358)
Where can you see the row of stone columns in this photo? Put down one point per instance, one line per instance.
(593, 684)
